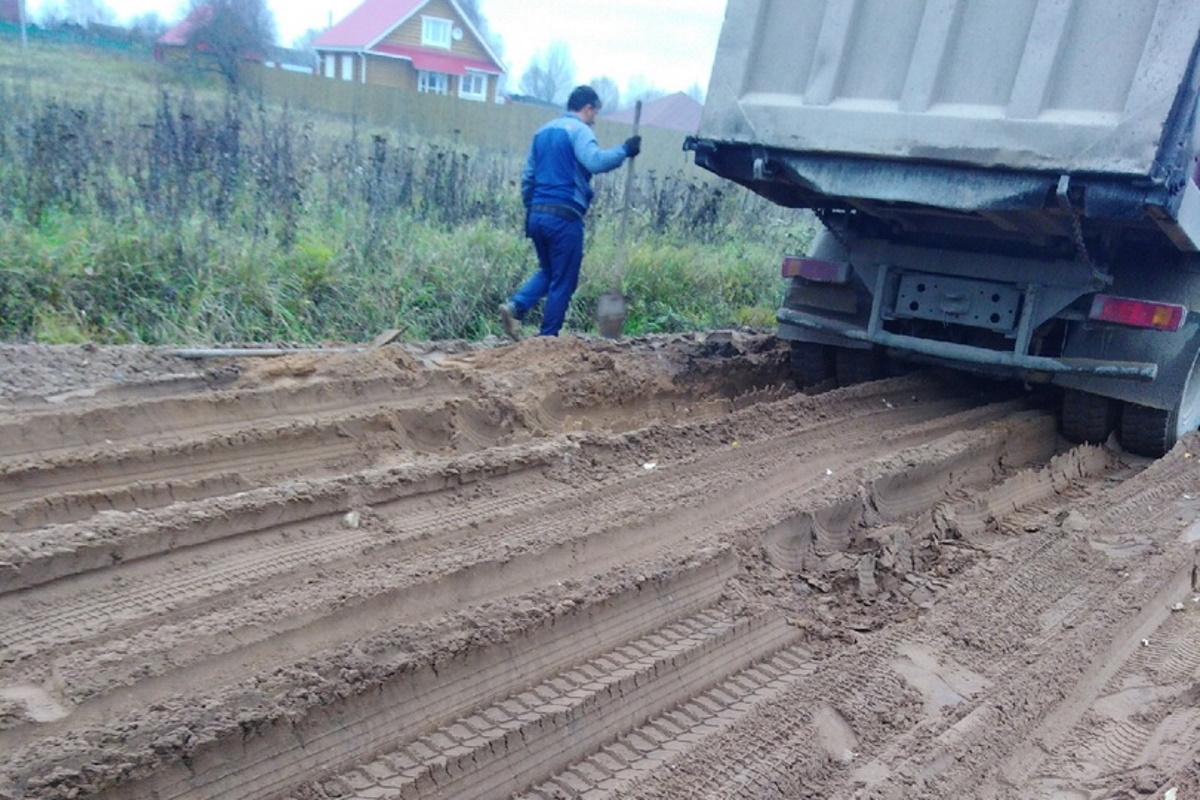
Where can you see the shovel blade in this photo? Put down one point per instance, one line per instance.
(611, 311)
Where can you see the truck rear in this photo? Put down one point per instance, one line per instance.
(1008, 187)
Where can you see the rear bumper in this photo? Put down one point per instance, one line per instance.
(953, 353)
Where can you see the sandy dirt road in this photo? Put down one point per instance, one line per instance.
(580, 569)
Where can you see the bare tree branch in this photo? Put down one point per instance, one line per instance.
(551, 76)
(232, 31)
(610, 95)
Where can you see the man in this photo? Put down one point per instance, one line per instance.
(556, 189)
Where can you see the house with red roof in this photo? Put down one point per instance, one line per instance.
(191, 34)
(427, 46)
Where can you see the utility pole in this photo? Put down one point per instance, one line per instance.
(24, 38)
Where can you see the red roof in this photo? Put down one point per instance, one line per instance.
(436, 62)
(676, 112)
(368, 23)
(181, 34)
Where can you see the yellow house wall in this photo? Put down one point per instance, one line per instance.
(336, 58)
(409, 34)
(393, 72)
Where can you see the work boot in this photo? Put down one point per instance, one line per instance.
(508, 319)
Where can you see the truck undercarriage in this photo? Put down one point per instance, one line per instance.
(1066, 280)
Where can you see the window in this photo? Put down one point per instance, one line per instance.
(330, 65)
(435, 32)
(433, 82)
(347, 67)
(473, 86)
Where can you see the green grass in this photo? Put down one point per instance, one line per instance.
(136, 206)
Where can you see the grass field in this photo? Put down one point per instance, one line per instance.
(141, 203)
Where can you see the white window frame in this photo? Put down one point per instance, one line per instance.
(467, 85)
(433, 82)
(436, 32)
(347, 67)
(330, 65)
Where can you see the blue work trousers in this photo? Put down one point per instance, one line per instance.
(559, 245)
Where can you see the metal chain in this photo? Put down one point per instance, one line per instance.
(1081, 250)
(823, 216)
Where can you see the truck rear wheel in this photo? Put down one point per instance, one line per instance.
(854, 366)
(811, 363)
(1088, 418)
(1147, 431)
(1154, 431)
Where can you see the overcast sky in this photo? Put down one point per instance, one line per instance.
(668, 43)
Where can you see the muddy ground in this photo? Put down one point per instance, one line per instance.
(580, 569)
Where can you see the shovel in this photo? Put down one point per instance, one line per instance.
(611, 307)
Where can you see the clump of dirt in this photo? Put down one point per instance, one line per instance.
(36, 371)
(381, 362)
(585, 372)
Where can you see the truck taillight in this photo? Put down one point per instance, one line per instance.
(814, 269)
(1138, 313)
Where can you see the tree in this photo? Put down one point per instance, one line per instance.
(51, 15)
(305, 40)
(230, 31)
(149, 26)
(470, 9)
(642, 89)
(551, 75)
(696, 92)
(75, 12)
(610, 95)
(83, 12)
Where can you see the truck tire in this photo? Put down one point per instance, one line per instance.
(1088, 418)
(854, 366)
(812, 363)
(1154, 431)
(1147, 431)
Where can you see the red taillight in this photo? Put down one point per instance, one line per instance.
(1138, 313)
(814, 269)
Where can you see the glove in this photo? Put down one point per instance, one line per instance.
(633, 146)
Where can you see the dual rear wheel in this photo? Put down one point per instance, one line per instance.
(1086, 417)
(1146, 431)
(816, 364)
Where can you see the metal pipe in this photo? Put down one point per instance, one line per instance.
(1126, 370)
(196, 354)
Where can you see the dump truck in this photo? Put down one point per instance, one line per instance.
(1007, 187)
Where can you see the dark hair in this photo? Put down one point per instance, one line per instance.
(582, 96)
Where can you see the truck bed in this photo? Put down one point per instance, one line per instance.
(1065, 86)
(1019, 120)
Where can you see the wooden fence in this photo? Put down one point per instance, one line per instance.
(491, 126)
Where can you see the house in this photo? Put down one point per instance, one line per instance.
(417, 45)
(179, 37)
(675, 112)
(189, 35)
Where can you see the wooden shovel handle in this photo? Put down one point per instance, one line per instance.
(623, 232)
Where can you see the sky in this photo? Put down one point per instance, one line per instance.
(665, 44)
